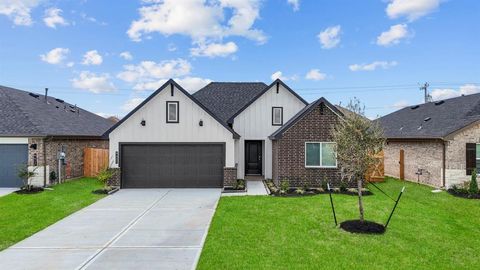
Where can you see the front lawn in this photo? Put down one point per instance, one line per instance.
(427, 231)
(24, 215)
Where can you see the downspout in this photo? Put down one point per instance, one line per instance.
(444, 143)
(45, 161)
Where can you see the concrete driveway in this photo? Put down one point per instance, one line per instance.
(6, 191)
(132, 229)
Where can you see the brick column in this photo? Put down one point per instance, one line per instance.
(229, 176)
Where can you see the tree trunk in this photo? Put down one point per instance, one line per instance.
(360, 200)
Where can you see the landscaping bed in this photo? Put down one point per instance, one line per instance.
(238, 187)
(306, 191)
(23, 215)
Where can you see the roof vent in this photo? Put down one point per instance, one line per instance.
(33, 95)
(420, 127)
(401, 128)
(414, 107)
(439, 102)
(427, 119)
(59, 100)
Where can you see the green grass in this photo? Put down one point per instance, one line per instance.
(24, 215)
(427, 231)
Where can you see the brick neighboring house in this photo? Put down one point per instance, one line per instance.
(437, 143)
(303, 149)
(35, 128)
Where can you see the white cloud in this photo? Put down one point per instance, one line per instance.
(148, 71)
(278, 75)
(412, 9)
(70, 64)
(214, 49)
(330, 37)
(18, 10)
(171, 47)
(373, 66)
(198, 19)
(104, 115)
(393, 35)
(401, 104)
(316, 75)
(55, 56)
(126, 55)
(94, 83)
(92, 58)
(295, 4)
(132, 104)
(191, 84)
(467, 89)
(53, 17)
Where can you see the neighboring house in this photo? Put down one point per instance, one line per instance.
(35, 129)
(436, 143)
(208, 139)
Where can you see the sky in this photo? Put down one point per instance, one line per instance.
(107, 56)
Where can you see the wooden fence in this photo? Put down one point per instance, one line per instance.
(94, 160)
(377, 172)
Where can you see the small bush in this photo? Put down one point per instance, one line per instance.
(53, 176)
(325, 184)
(284, 185)
(300, 191)
(343, 187)
(473, 185)
(105, 175)
(239, 184)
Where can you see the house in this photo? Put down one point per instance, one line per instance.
(45, 133)
(219, 134)
(436, 143)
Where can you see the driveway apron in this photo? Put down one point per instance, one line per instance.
(132, 229)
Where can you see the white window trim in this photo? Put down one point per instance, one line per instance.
(176, 112)
(280, 123)
(320, 153)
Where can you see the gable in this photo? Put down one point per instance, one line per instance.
(316, 114)
(164, 93)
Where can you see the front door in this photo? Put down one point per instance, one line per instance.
(253, 157)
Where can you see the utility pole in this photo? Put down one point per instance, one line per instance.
(424, 88)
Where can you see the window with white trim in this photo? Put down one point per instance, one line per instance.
(277, 116)
(172, 112)
(320, 155)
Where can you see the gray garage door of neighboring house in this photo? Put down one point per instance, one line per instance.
(172, 165)
(11, 157)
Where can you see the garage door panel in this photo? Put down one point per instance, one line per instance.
(172, 165)
(11, 157)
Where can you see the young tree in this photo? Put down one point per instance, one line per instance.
(25, 174)
(473, 185)
(357, 140)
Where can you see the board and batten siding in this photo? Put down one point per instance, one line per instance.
(156, 129)
(255, 123)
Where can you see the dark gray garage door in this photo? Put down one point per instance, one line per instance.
(11, 157)
(172, 165)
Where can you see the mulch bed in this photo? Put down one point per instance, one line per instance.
(465, 195)
(103, 191)
(233, 190)
(365, 227)
(309, 192)
(32, 190)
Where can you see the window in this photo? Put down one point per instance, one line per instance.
(172, 112)
(320, 155)
(277, 116)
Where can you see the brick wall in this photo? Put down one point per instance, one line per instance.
(229, 176)
(74, 154)
(426, 155)
(289, 151)
(456, 172)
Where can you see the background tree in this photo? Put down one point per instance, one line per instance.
(357, 141)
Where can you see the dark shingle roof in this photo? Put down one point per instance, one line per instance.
(225, 99)
(305, 111)
(23, 114)
(433, 119)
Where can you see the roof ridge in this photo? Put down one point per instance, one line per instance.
(19, 108)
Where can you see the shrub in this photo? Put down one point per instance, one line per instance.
(53, 176)
(343, 187)
(325, 184)
(300, 191)
(25, 174)
(284, 185)
(239, 184)
(105, 175)
(473, 187)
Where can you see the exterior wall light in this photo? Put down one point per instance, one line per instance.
(200, 123)
(143, 123)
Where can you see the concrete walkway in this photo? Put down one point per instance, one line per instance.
(6, 191)
(256, 187)
(132, 229)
